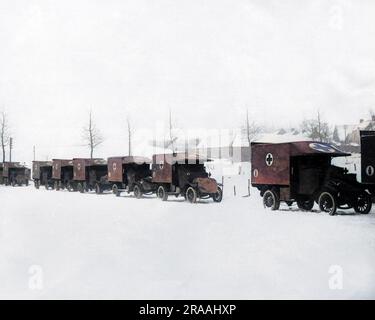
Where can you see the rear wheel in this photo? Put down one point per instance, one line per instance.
(138, 191)
(271, 200)
(98, 189)
(218, 196)
(162, 193)
(80, 188)
(69, 187)
(305, 205)
(363, 203)
(327, 203)
(191, 195)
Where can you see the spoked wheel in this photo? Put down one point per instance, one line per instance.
(271, 200)
(218, 196)
(327, 203)
(115, 190)
(138, 193)
(98, 189)
(363, 204)
(69, 187)
(305, 205)
(191, 195)
(80, 188)
(162, 193)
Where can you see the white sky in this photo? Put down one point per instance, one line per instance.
(207, 60)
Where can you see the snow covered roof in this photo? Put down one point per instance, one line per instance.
(277, 138)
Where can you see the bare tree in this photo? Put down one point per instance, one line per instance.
(4, 133)
(372, 113)
(130, 135)
(92, 135)
(172, 138)
(316, 129)
(232, 140)
(251, 129)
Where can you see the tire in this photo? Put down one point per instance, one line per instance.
(305, 205)
(191, 195)
(115, 190)
(327, 203)
(138, 191)
(218, 196)
(363, 204)
(80, 188)
(271, 200)
(98, 189)
(162, 193)
(69, 187)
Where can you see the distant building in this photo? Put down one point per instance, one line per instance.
(347, 137)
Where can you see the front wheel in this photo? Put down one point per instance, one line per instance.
(57, 186)
(218, 196)
(98, 189)
(115, 189)
(327, 203)
(191, 195)
(80, 188)
(363, 204)
(271, 200)
(162, 193)
(137, 191)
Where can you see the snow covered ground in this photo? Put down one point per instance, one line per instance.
(68, 245)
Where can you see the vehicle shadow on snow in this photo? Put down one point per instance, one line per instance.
(338, 213)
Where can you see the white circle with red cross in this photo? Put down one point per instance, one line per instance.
(370, 171)
(269, 159)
